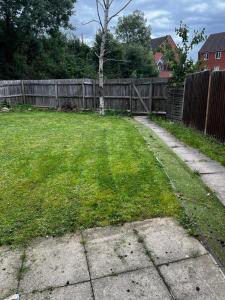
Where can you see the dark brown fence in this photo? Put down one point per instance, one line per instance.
(204, 103)
(137, 96)
(195, 100)
(215, 116)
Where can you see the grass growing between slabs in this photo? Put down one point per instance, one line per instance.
(206, 212)
(63, 171)
(205, 144)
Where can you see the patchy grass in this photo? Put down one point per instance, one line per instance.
(205, 212)
(62, 171)
(205, 144)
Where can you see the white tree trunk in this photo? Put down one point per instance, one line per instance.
(105, 4)
(101, 58)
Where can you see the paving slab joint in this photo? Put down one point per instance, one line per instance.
(83, 242)
(184, 259)
(21, 270)
(142, 241)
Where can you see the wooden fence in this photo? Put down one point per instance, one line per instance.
(195, 100)
(136, 96)
(204, 103)
(175, 103)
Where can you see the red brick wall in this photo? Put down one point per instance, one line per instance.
(159, 55)
(212, 61)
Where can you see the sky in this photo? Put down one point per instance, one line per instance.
(162, 15)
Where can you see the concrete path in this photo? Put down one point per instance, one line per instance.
(211, 172)
(153, 259)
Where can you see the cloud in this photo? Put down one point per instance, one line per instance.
(163, 16)
(198, 8)
(220, 5)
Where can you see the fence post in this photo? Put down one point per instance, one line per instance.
(131, 100)
(83, 94)
(56, 95)
(184, 90)
(94, 93)
(208, 100)
(150, 96)
(22, 90)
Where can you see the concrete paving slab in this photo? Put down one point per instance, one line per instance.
(197, 278)
(80, 291)
(206, 167)
(188, 154)
(141, 284)
(216, 182)
(10, 264)
(167, 241)
(54, 262)
(195, 160)
(114, 250)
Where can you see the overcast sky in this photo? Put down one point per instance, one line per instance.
(162, 15)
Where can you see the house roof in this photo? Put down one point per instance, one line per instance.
(156, 43)
(214, 43)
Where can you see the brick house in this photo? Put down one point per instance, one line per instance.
(159, 60)
(212, 53)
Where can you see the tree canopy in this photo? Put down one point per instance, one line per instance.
(133, 29)
(35, 44)
(22, 24)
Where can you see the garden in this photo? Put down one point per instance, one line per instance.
(61, 172)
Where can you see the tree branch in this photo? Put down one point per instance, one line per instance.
(111, 3)
(97, 54)
(91, 21)
(98, 12)
(119, 11)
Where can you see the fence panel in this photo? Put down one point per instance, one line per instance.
(159, 94)
(175, 103)
(136, 95)
(215, 119)
(11, 91)
(195, 100)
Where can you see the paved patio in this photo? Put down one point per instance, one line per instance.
(153, 259)
(211, 172)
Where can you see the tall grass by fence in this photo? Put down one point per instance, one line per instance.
(204, 103)
(137, 96)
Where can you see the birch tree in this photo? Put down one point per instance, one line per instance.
(104, 18)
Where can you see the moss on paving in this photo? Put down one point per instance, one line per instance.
(206, 212)
(63, 171)
(205, 144)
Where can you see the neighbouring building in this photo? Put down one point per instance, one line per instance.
(159, 59)
(212, 53)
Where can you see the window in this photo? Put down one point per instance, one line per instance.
(206, 56)
(160, 65)
(216, 68)
(218, 55)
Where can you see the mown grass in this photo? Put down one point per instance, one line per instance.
(204, 211)
(205, 144)
(62, 171)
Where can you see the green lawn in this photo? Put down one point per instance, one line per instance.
(63, 171)
(207, 145)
